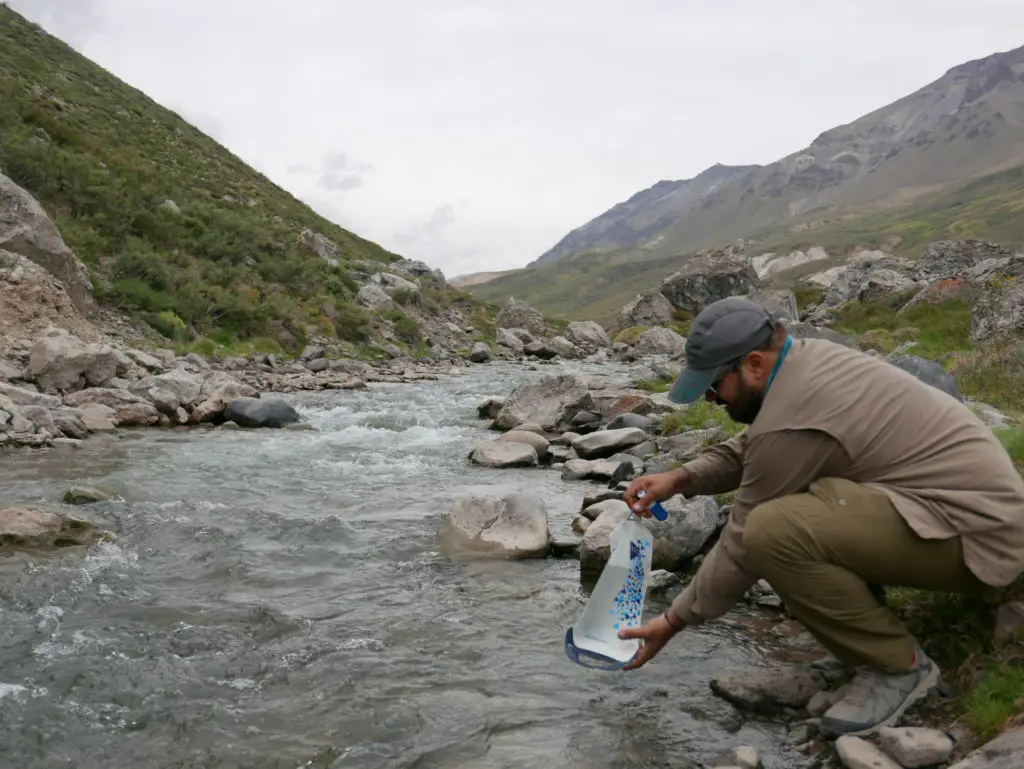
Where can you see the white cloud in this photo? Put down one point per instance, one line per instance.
(520, 119)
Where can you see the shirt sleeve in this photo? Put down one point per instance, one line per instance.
(718, 469)
(777, 463)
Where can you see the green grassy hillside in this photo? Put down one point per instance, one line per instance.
(595, 285)
(103, 158)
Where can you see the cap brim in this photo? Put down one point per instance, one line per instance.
(691, 384)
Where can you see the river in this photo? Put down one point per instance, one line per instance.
(275, 599)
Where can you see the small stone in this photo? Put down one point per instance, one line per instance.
(743, 757)
(661, 579)
(768, 691)
(819, 703)
(856, 753)
(916, 746)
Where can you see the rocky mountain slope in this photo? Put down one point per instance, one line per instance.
(174, 230)
(964, 125)
(646, 213)
(944, 162)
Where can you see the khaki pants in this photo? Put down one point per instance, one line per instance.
(824, 549)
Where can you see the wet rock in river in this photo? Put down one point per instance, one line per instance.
(509, 526)
(539, 442)
(267, 411)
(604, 443)
(38, 527)
(85, 495)
(499, 453)
(769, 691)
(743, 757)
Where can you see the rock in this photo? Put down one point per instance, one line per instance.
(951, 259)
(326, 249)
(857, 753)
(540, 349)
(187, 388)
(660, 341)
(998, 308)
(70, 422)
(215, 396)
(489, 409)
(580, 525)
(588, 335)
(517, 314)
(1009, 621)
(781, 304)
(129, 409)
(929, 372)
(551, 402)
(820, 702)
(576, 469)
(36, 527)
(565, 548)
(512, 526)
(689, 526)
(144, 360)
(708, 277)
(649, 309)
(915, 746)
(26, 229)
(97, 417)
(661, 580)
(61, 361)
(595, 549)
(84, 495)
(563, 348)
(638, 421)
(501, 453)
(743, 757)
(770, 264)
(373, 297)
(604, 443)
(481, 352)
(1004, 752)
(767, 691)
(807, 331)
(266, 411)
(21, 397)
(594, 511)
(506, 338)
(539, 442)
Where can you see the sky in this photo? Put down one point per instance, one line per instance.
(474, 134)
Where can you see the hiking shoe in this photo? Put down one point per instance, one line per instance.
(874, 699)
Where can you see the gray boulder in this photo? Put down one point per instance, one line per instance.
(267, 411)
(929, 372)
(509, 526)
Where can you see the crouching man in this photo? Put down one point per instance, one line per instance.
(851, 473)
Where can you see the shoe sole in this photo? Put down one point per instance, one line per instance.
(922, 690)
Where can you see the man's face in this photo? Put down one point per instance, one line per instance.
(742, 399)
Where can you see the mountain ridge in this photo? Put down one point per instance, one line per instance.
(974, 111)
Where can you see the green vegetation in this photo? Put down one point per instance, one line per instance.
(699, 416)
(223, 260)
(938, 329)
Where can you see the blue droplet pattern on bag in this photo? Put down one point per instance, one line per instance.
(627, 605)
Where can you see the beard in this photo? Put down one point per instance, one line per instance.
(747, 404)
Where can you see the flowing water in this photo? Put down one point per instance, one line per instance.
(276, 599)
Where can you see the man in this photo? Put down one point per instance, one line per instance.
(851, 473)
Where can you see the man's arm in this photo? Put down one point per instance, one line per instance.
(778, 463)
(717, 470)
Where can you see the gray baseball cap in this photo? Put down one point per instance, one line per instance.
(721, 334)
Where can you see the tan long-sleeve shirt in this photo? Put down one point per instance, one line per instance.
(836, 412)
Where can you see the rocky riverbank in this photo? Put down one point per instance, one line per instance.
(601, 433)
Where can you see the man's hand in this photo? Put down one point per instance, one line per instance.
(657, 488)
(654, 634)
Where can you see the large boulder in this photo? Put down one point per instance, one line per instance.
(649, 309)
(35, 527)
(129, 410)
(185, 387)
(26, 229)
(218, 390)
(950, 259)
(60, 361)
(998, 307)
(518, 314)
(588, 335)
(510, 526)
(708, 277)
(660, 341)
(550, 402)
(266, 411)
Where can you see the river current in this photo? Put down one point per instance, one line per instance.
(276, 599)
